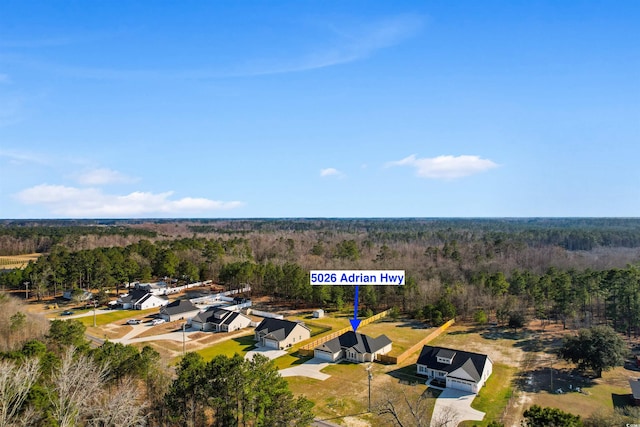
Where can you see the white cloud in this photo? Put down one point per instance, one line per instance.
(93, 203)
(103, 176)
(330, 172)
(445, 167)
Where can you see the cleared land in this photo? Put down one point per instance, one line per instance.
(17, 261)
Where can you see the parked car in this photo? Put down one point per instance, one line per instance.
(66, 313)
(157, 322)
(133, 322)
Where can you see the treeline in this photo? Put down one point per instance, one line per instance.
(573, 234)
(18, 238)
(491, 279)
(54, 377)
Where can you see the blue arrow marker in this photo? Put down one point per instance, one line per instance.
(355, 322)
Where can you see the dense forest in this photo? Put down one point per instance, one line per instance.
(579, 272)
(576, 272)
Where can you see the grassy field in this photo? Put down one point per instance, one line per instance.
(17, 261)
(115, 316)
(403, 334)
(494, 396)
(240, 345)
(603, 395)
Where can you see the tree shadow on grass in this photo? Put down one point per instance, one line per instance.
(554, 380)
(300, 359)
(407, 375)
(246, 343)
(413, 324)
(504, 334)
(536, 343)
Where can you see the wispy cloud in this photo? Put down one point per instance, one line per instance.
(336, 45)
(21, 157)
(355, 43)
(445, 167)
(93, 203)
(103, 176)
(327, 172)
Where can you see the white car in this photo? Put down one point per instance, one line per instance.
(157, 322)
(133, 322)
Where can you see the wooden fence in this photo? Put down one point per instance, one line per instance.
(307, 349)
(401, 358)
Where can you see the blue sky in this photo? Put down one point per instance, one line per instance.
(319, 109)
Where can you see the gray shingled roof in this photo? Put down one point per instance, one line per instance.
(472, 363)
(358, 342)
(277, 329)
(133, 296)
(178, 306)
(209, 316)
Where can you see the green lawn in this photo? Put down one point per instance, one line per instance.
(494, 396)
(240, 345)
(116, 315)
(403, 334)
(331, 322)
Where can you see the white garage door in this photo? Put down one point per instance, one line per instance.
(459, 385)
(323, 355)
(271, 344)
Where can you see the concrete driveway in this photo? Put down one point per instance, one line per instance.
(271, 353)
(310, 368)
(454, 406)
(136, 330)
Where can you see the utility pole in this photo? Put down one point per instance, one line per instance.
(95, 304)
(183, 342)
(26, 290)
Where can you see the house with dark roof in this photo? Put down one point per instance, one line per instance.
(353, 347)
(179, 310)
(129, 300)
(462, 370)
(149, 301)
(280, 334)
(635, 390)
(220, 320)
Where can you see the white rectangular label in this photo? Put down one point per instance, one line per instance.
(357, 277)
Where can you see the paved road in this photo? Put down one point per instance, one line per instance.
(455, 406)
(85, 314)
(130, 337)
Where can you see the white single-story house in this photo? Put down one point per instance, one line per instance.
(280, 334)
(462, 370)
(179, 310)
(150, 301)
(353, 347)
(220, 320)
(129, 300)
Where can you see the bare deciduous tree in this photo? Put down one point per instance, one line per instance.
(406, 411)
(16, 381)
(77, 384)
(118, 408)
